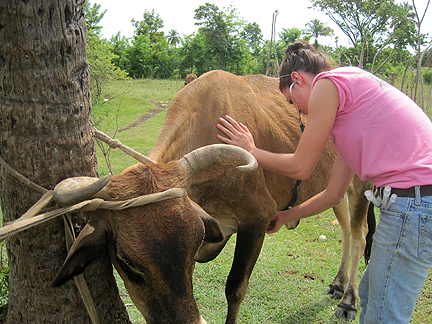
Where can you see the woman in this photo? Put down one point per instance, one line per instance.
(379, 134)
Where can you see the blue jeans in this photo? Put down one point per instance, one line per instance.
(400, 259)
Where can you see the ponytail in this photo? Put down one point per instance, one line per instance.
(301, 56)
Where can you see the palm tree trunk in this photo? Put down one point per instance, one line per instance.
(46, 134)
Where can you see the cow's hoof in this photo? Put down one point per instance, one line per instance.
(336, 293)
(350, 314)
(340, 312)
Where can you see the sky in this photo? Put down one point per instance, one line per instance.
(179, 15)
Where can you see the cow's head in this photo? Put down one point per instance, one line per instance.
(151, 246)
(189, 78)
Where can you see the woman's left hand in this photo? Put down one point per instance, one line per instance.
(276, 223)
(238, 133)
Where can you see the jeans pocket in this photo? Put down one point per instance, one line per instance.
(390, 229)
(425, 238)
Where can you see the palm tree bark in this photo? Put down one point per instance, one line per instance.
(46, 134)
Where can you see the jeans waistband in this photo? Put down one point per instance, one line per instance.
(410, 192)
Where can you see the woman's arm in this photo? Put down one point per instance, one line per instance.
(340, 178)
(322, 107)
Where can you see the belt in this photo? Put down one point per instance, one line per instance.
(410, 192)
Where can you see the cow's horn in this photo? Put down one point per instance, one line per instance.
(219, 154)
(74, 190)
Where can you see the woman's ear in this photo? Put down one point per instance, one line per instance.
(295, 76)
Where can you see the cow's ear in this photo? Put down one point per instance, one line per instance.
(90, 244)
(213, 232)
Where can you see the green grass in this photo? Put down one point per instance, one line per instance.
(137, 96)
(127, 102)
(279, 291)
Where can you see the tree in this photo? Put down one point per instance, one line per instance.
(194, 55)
(404, 30)
(401, 34)
(360, 20)
(253, 35)
(173, 38)
(100, 54)
(93, 18)
(290, 35)
(149, 55)
(273, 67)
(223, 30)
(420, 41)
(46, 134)
(102, 69)
(216, 29)
(139, 55)
(149, 26)
(119, 47)
(317, 28)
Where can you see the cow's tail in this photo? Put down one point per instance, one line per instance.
(371, 222)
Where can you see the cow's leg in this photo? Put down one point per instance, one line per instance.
(358, 206)
(250, 239)
(337, 287)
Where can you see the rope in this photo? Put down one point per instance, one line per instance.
(79, 279)
(42, 202)
(114, 143)
(21, 178)
(30, 218)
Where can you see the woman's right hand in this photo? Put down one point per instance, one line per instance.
(238, 133)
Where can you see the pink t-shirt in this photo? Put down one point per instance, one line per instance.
(379, 132)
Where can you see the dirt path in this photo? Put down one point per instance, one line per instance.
(158, 108)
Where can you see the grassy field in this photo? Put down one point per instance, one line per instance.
(294, 267)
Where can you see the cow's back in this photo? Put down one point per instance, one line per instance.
(254, 100)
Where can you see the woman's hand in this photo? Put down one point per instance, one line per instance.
(239, 134)
(340, 178)
(281, 217)
(276, 223)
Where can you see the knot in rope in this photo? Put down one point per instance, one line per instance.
(114, 143)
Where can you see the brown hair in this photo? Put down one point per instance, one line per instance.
(300, 55)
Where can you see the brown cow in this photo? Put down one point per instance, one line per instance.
(151, 246)
(189, 78)
(244, 203)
